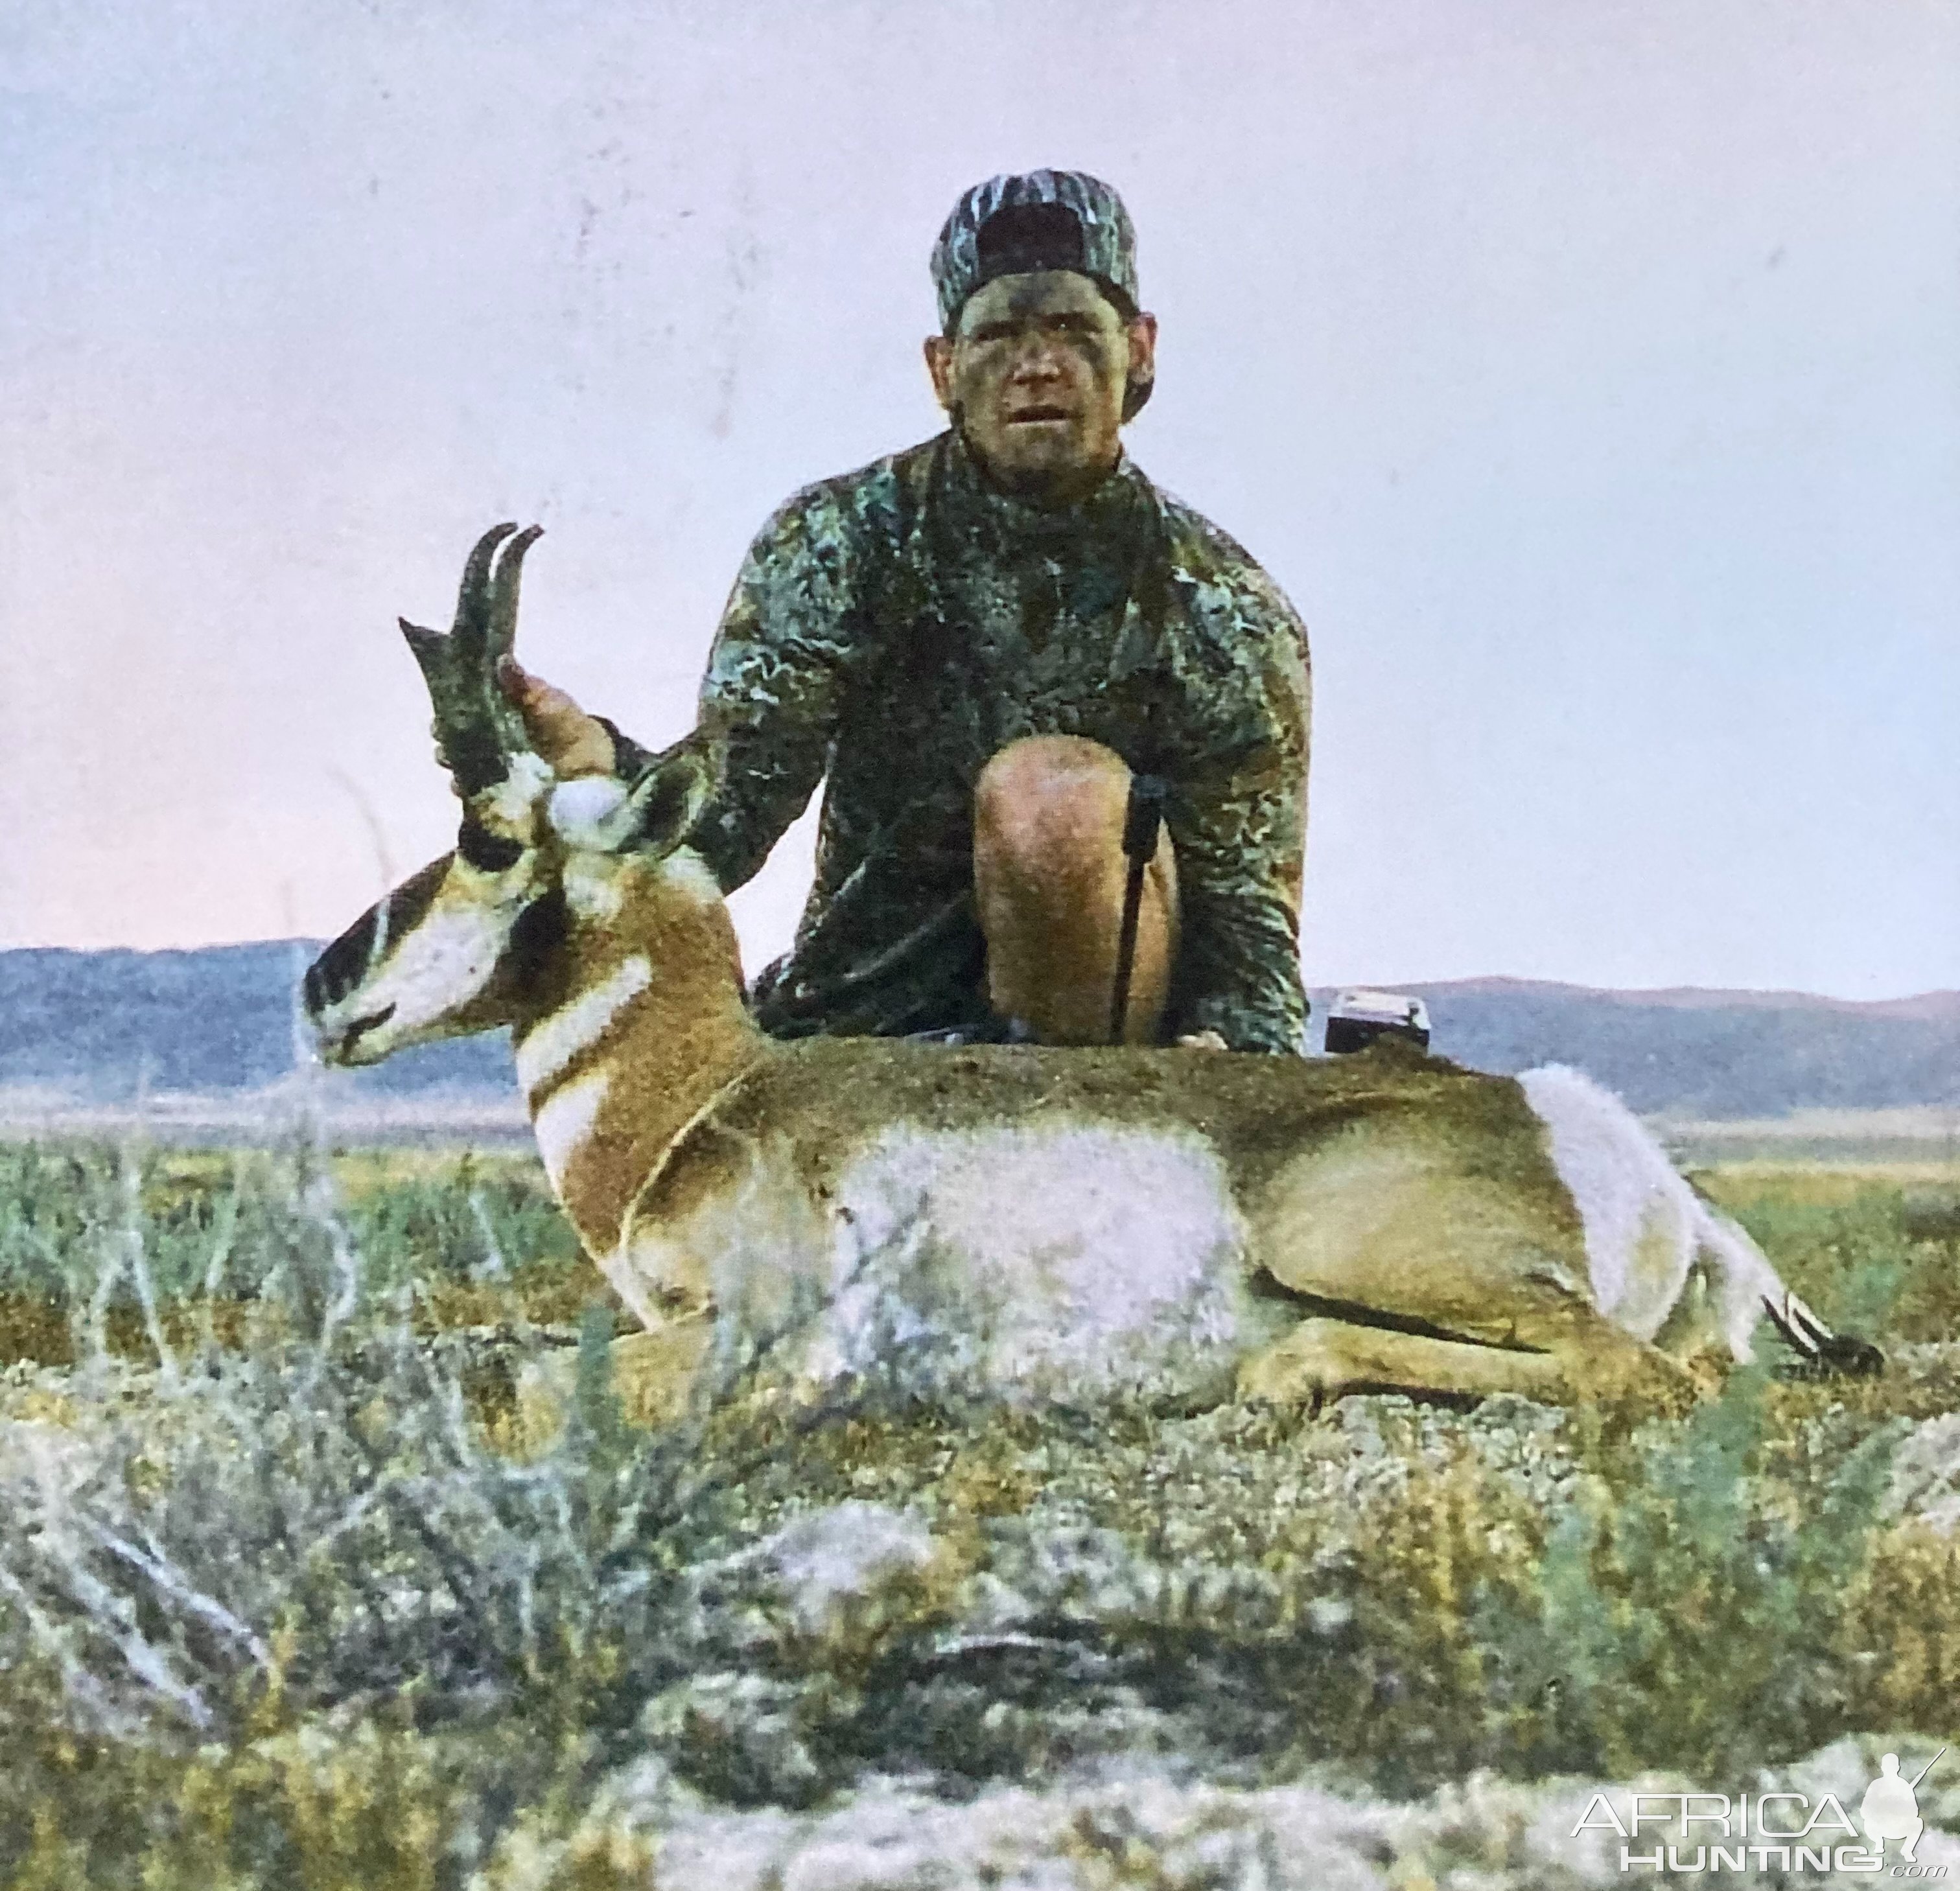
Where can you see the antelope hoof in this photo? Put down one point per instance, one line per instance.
(1306, 1368)
(652, 1376)
(1842, 1355)
(1850, 1357)
(654, 1372)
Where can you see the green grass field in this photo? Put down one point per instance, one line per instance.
(288, 1597)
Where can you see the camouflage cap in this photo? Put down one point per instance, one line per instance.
(1038, 220)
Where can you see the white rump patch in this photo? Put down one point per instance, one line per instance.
(564, 1120)
(1051, 1263)
(1646, 1229)
(560, 1035)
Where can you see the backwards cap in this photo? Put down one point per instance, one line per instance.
(1042, 220)
(1038, 220)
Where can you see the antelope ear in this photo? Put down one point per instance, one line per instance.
(665, 801)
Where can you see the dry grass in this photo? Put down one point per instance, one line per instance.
(284, 1615)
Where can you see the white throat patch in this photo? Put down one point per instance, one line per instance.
(592, 885)
(560, 1035)
(565, 1121)
(688, 872)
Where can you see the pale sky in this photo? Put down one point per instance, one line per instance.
(1588, 371)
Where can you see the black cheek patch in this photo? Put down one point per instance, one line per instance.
(536, 934)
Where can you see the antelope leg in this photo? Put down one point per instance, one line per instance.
(654, 1372)
(1322, 1358)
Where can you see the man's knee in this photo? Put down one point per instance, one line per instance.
(1050, 803)
(1048, 873)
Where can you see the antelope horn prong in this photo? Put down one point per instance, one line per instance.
(500, 633)
(503, 627)
(477, 729)
(472, 598)
(427, 644)
(431, 651)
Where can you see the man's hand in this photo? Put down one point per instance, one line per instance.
(573, 742)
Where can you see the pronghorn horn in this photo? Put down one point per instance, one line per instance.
(477, 730)
(469, 597)
(501, 632)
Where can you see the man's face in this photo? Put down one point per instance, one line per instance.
(1035, 373)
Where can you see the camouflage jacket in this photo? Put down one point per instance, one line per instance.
(893, 628)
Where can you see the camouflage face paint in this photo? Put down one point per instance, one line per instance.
(1035, 374)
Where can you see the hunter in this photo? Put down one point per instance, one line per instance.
(978, 641)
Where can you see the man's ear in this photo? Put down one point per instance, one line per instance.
(665, 802)
(1141, 330)
(939, 365)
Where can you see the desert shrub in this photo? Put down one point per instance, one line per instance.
(276, 1608)
(304, 1535)
(1878, 1256)
(1688, 1610)
(464, 1217)
(215, 1228)
(1901, 1629)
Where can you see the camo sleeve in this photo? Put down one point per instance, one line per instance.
(1238, 818)
(770, 696)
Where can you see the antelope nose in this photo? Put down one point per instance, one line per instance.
(342, 1044)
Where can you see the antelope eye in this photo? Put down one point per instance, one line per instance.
(487, 852)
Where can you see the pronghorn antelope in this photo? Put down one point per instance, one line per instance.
(1007, 1219)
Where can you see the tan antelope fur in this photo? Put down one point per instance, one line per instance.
(1009, 1222)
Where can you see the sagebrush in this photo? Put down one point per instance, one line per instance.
(290, 1593)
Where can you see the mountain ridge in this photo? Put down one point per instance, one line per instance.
(1940, 1004)
(106, 1025)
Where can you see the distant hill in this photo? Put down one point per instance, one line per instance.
(1708, 1053)
(102, 1027)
